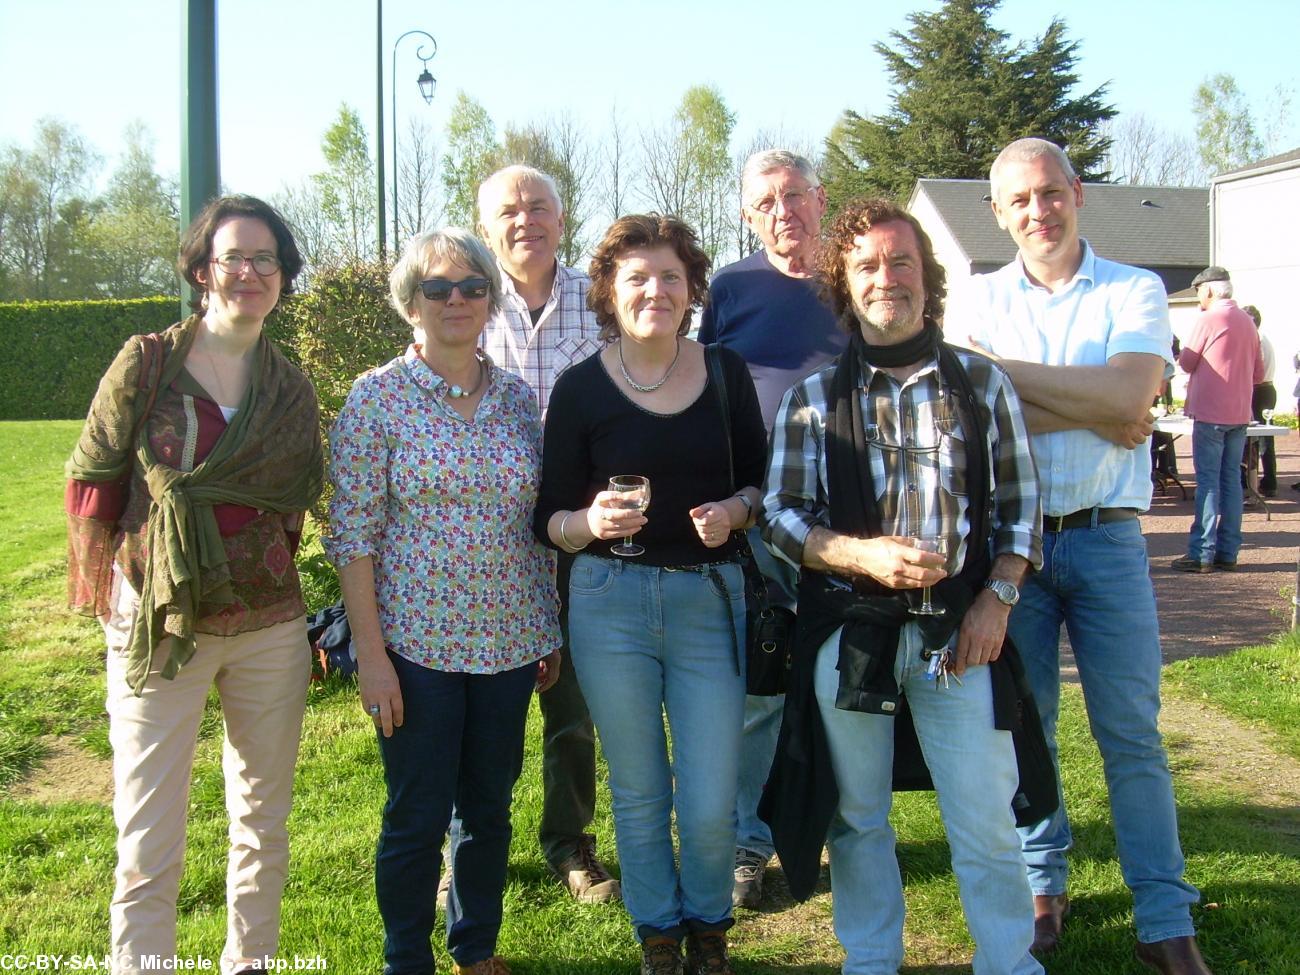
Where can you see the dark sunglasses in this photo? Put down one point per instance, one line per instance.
(439, 289)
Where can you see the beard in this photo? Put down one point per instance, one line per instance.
(888, 325)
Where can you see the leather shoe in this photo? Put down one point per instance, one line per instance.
(1173, 956)
(1050, 912)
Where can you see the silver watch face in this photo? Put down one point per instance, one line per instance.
(1005, 591)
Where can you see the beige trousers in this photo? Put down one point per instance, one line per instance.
(262, 679)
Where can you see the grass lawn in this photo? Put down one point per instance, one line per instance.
(56, 856)
(1259, 686)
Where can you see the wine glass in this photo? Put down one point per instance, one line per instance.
(1267, 415)
(937, 544)
(633, 492)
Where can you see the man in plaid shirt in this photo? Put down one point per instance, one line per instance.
(543, 327)
(936, 451)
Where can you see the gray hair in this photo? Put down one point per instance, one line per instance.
(1027, 150)
(452, 244)
(517, 174)
(1219, 289)
(770, 160)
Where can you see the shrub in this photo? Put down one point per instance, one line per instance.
(55, 351)
(340, 328)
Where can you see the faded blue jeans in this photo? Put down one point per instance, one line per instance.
(1096, 581)
(646, 642)
(1216, 525)
(974, 770)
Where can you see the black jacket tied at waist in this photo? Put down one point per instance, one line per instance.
(801, 795)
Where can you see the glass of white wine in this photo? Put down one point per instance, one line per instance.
(633, 492)
(937, 544)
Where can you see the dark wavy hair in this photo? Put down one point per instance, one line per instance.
(196, 242)
(645, 230)
(858, 217)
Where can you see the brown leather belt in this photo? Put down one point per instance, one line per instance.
(1083, 518)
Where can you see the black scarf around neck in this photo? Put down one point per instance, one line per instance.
(921, 346)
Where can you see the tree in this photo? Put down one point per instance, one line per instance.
(1227, 136)
(558, 148)
(688, 167)
(961, 92)
(416, 174)
(346, 187)
(616, 169)
(45, 214)
(136, 234)
(1143, 153)
(472, 155)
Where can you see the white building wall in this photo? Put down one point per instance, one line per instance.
(1254, 236)
(946, 249)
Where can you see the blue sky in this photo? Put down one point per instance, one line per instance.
(287, 64)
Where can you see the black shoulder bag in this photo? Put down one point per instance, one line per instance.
(769, 628)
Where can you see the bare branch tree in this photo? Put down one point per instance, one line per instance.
(617, 166)
(417, 174)
(1143, 153)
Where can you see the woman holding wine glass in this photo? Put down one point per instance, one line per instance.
(659, 632)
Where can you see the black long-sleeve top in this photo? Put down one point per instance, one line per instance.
(593, 431)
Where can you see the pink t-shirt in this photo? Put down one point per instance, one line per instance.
(1223, 359)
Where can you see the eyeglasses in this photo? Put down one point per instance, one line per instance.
(233, 263)
(791, 200)
(439, 289)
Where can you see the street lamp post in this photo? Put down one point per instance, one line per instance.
(427, 82)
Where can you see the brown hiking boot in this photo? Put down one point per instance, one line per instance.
(661, 955)
(585, 876)
(488, 966)
(706, 953)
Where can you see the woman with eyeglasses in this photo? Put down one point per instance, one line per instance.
(436, 461)
(185, 502)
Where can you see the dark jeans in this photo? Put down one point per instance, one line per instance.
(1264, 397)
(568, 749)
(462, 741)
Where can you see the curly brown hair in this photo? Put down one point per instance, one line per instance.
(858, 217)
(645, 230)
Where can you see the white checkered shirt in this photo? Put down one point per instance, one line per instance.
(565, 334)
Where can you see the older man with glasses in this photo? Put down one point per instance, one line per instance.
(766, 307)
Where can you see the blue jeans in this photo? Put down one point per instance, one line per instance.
(1216, 526)
(762, 717)
(973, 766)
(646, 641)
(462, 741)
(1096, 581)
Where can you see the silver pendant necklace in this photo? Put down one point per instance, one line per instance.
(456, 392)
(653, 386)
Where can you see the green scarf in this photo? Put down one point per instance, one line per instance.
(268, 458)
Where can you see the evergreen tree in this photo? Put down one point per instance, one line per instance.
(962, 91)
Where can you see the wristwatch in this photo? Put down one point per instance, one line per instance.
(1006, 592)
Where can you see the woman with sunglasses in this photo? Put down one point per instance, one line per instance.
(185, 502)
(436, 460)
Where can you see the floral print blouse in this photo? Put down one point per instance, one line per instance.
(444, 506)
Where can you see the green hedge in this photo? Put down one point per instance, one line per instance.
(55, 351)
